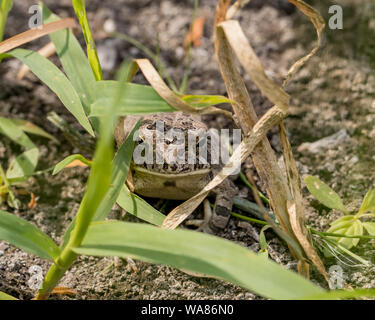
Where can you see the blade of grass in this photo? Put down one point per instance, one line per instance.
(26, 236)
(13, 202)
(5, 6)
(120, 165)
(138, 99)
(182, 249)
(80, 10)
(343, 294)
(138, 207)
(29, 127)
(23, 165)
(15, 133)
(48, 73)
(4, 296)
(68, 160)
(153, 56)
(73, 60)
(97, 186)
(33, 34)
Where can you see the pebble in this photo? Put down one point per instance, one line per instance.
(107, 54)
(329, 142)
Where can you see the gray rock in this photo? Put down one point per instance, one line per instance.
(329, 142)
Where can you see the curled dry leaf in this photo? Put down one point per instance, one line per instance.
(167, 94)
(319, 24)
(32, 203)
(36, 33)
(76, 163)
(195, 33)
(251, 63)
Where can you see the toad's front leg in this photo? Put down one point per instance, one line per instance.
(217, 219)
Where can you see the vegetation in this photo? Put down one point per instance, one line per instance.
(96, 104)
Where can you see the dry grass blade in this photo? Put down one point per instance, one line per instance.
(296, 208)
(319, 24)
(36, 33)
(229, 38)
(235, 7)
(249, 60)
(47, 51)
(168, 95)
(263, 155)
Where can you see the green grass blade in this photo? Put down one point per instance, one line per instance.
(5, 6)
(343, 294)
(4, 296)
(15, 133)
(120, 169)
(63, 163)
(368, 203)
(29, 127)
(139, 99)
(26, 236)
(120, 165)
(48, 73)
(23, 165)
(73, 60)
(201, 101)
(138, 207)
(196, 252)
(101, 171)
(80, 10)
(324, 194)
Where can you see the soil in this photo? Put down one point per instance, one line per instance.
(334, 91)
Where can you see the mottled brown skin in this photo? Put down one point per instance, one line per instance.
(175, 181)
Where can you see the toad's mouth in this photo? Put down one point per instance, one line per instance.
(180, 186)
(169, 174)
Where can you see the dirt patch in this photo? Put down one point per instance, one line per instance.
(334, 91)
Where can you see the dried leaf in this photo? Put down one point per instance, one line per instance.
(32, 203)
(63, 291)
(319, 24)
(263, 156)
(76, 163)
(249, 60)
(36, 33)
(234, 8)
(295, 207)
(172, 99)
(195, 34)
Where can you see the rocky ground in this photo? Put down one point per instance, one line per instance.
(333, 94)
